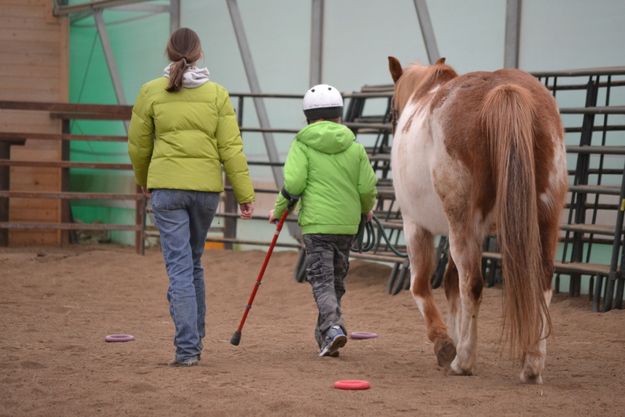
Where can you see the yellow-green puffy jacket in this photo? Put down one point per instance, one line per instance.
(181, 140)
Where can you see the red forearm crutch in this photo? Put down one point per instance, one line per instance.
(236, 337)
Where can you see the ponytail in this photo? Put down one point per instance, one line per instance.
(183, 49)
(176, 72)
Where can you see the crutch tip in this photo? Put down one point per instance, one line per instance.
(236, 338)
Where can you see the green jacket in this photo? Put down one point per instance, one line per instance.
(332, 174)
(181, 140)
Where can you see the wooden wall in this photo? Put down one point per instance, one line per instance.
(34, 66)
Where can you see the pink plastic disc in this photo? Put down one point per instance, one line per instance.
(119, 337)
(352, 384)
(363, 335)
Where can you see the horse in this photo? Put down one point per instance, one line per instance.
(474, 155)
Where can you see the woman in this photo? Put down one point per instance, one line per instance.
(183, 130)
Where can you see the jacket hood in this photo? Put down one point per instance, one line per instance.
(327, 137)
(193, 77)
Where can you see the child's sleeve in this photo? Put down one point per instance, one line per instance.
(366, 183)
(295, 176)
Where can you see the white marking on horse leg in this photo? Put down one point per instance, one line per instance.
(558, 176)
(466, 351)
(534, 363)
(419, 301)
(453, 320)
(466, 346)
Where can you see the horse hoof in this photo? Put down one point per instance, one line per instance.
(460, 372)
(455, 369)
(531, 378)
(445, 351)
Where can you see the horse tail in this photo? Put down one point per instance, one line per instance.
(507, 117)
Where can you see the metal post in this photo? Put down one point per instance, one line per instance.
(252, 79)
(608, 298)
(67, 236)
(513, 27)
(140, 221)
(427, 30)
(316, 42)
(581, 178)
(110, 60)
(174, 15)
(259, 104)
(5, 153)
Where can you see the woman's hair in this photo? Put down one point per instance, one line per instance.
(183, 49)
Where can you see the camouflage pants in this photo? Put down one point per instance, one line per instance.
(327, 263)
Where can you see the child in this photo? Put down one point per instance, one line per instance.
(332, 175)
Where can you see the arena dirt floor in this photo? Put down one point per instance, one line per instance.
(56, 306)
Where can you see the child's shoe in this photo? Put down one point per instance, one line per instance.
(334, 340)
(185, 363)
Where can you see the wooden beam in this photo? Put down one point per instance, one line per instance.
(65, 107)
(63, 164)
(68, 195)
(68, 226)
(89, 116)
(15, 137)
(89, 6)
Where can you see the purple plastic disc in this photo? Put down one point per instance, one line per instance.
(363, 335)
(119, 337)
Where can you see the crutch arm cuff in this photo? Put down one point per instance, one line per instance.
(291, 199)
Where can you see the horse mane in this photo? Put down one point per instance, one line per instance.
(429, 77)
(417, 81)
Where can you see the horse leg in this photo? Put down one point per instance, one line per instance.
(421, 254)
(466, 252)
(451, 293)
(534, 360)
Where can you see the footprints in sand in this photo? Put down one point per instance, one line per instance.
(32, 365)
(141, 388)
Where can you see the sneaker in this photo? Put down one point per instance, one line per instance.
(184, 363)
(334, 340)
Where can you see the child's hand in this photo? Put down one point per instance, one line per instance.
(247, 209)
(272, 218)
(369, 216)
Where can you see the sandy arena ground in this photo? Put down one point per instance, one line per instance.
(56, 306)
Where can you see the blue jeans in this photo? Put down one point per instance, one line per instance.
(183, 218)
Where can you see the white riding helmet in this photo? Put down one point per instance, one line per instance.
(323, 102)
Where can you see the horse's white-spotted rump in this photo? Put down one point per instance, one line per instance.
(472, 155)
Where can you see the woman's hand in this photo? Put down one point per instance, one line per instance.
(272, 218)
(369, 216)
(247, 209)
